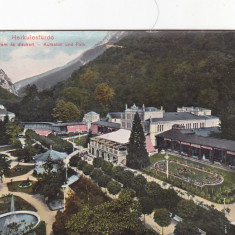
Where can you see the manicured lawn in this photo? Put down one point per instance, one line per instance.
(80, 141)
(14, 187)
(19, 170)
(20, 204)
(188, 173)
(214, 193)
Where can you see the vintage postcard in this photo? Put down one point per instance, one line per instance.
(117, 132)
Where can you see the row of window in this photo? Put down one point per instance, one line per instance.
(160, 128)
(194, 125)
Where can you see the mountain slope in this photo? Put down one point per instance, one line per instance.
(54, 76)
(160, 68)
(7, 97)
(6, 83)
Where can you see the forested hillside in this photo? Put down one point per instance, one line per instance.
(166, 69)
(6, 96)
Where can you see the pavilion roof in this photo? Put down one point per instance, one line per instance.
(199, 140)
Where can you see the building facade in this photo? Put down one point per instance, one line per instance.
(4, 113)
(218, 151)
(113, 146)
(156, 121)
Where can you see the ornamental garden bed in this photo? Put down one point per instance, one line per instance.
(20, 204)
(188, 173)
(212, 192)
(19, 170)
(24, 186)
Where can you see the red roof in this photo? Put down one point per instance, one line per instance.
(149, 145)
(77, 128)
(42, 132)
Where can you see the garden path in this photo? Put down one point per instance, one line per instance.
(36, 200)
(197, 199)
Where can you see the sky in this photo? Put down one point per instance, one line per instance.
(20, 62)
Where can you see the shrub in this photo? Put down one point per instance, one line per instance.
(81, 164)
(95, 174)
(87, 169)
(103, 180)
(114, 187)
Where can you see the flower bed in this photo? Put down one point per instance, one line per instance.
(194, 175)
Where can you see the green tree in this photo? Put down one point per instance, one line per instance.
(112, 217)
(153, 190)
(186, 227)
(138, 184)
(147, 205)
(126, 178)
(13, 130)
(98, 162)
(114, 187)
(186, 209)
(104, 93)
(81, 164)
(88, 139)
(74, 160)
(117, 171)
(107, 167)
(137, 156)
(103, 180)
(87, 169)
(162, 218)
(4, 165)
(95, 174)
(66, 112)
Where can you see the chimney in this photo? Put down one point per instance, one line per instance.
(126, 106)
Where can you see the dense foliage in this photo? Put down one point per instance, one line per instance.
(153, 197)
(51, 140)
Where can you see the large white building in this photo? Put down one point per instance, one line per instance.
(155, 121)
(113, 146)
(4, 113)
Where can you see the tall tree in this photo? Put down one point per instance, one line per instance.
(186, 209)
(88, 139)
(137, 156)
(162, 217)
(66, 111)
(186, 227)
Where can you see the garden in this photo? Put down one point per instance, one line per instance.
(24, 186)
(150, 196)
(20, 204)
(208, 182)
(19, 170)
(189, 173)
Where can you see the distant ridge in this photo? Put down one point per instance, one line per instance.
(52, 77)
(6, 83)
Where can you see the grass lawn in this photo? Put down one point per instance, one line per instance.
(214, 193)
(19, 170)
(14, 187)
(80, 141)
(20, 204)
